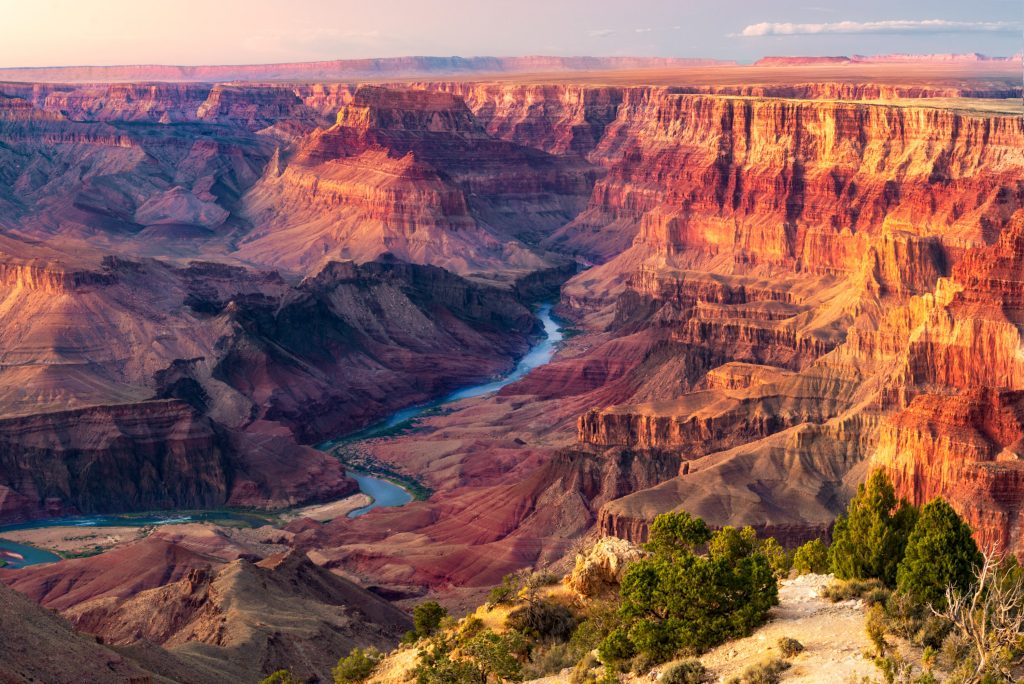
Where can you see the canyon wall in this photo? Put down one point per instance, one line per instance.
(780, 271)
(416, 175)
(147, 456)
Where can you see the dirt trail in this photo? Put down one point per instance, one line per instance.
(832, 634)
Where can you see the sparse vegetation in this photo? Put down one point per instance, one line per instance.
(812, 557)
(686, 672)
(436, 666)
(849, 590)
(542, 620)
(696, 589)
(506, 591)
(281, 677)
(988, 619)
(789, 647)
(768, 672)
(355, 458)
(357, 666)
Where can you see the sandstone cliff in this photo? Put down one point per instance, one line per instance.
(779, 277)
(413, 174)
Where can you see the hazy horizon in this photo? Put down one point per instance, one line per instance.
(118, 32)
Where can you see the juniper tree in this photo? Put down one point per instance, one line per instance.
(870, 540)
(940, 553)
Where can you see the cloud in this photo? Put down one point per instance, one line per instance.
(643, 30)
(889, 26)
(600, 33)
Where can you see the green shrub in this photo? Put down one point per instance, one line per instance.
(780, 560)
(932, 632)
(542, 619)
(677, 601)
(955, 651)
(940, 552)
(641, 664)
(584, 672)
(895, 669)
(678, 532)
(789, 647)
(549, 659)
(426, 618)
(914, 621)
(870, 540)
(357, 666)
(875, 625)
(281, 677)
(686, 672)
(878, 595)
(768, 672)
(601, 618)
(616, 647)
(812, 557)
(848, 590)
(496, 654)
(438, 667)
(542, 578)
(504, 592)
(470, 627)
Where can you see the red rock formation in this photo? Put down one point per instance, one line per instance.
(795, 61)
(744, 168)
(413, 174)
(146, 456)
(960, 437)
(557, 119)
(486, 532)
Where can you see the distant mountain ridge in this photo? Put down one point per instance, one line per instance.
(342, 69)
(783, 60)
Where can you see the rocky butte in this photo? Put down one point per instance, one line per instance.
(778, 277)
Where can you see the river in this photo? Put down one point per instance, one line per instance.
(383, 492)
(386, 493)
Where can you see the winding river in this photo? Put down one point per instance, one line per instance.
(383, 492)
(386, 493)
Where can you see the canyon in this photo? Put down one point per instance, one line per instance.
(772, 280)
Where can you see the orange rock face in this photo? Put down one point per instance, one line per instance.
(778, 282)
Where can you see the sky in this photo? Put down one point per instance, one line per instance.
(97, 32)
